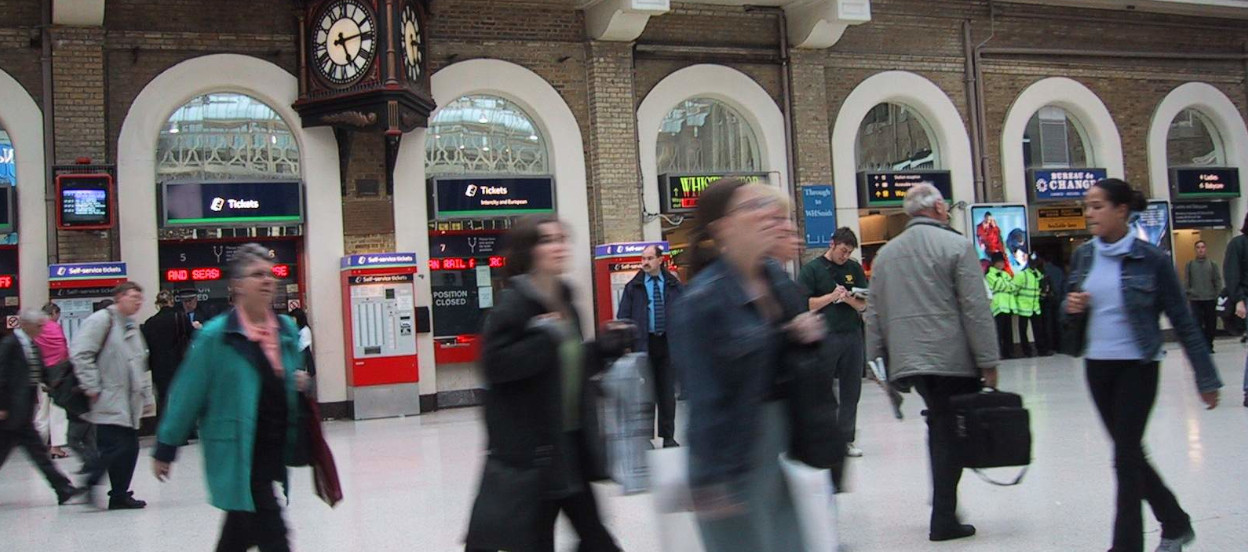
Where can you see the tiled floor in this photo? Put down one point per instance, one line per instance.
(409, 482)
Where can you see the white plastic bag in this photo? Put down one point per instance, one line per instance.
(629, 420)
(673, 502)
(815, 501)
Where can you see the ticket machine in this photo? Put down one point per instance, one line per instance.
(380, 315)
(80, 289)
(614, 265)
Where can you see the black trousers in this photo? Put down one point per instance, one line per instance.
(1005, 334)
(582, 510)
(1051, 315)
(1206, 313)
(82, 441)
(849, 359)
(664, 385)
(119, 452)
(1124, 392)
(25, 436)
(1023, 322)
(941, 431)
(1042, 325)
(263, 528)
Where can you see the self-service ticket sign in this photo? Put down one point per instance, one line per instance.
(79, 289)
(379, 307)
(614, 265)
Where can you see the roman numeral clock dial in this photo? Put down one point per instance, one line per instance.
(413, 44)
(344, 42)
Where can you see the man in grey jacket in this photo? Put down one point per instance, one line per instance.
(929, 318)
(110, 358)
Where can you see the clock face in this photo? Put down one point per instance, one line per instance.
(344, 41)
(413, 44)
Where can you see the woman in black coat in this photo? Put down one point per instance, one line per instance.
(540, 415)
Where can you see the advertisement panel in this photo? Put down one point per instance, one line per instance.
(1153, 225)
(1001, 228)
(679, 192)
(1060, 219)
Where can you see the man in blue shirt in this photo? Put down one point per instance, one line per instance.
(647, 301)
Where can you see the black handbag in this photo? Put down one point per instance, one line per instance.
(808, 385)
(993, 431)
(506, 514)
(64, 391)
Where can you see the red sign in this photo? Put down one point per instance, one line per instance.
(11, 322)
(497, 262)
(281, 271)
(456, 263)
(189, 274)
(6, 281)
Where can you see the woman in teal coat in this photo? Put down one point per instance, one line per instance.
(239, 385)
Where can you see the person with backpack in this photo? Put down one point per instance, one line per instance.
(1204, 283)
(110, 358)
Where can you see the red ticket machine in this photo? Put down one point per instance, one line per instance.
(614, 265)
(380, 315)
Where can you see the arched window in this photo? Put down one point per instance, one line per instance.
(1054, 139)
(226, 136)
(894, 137)
(8, 167)
(706, 135)
(481, 134)
(1193, 141)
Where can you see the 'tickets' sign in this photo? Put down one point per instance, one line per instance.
(233, 203)
(888, 189)
(458, 197)
(1063, 184)
(680, 192)
(1205, 182)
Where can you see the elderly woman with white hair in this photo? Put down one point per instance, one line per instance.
(928, 317)
(21, 373)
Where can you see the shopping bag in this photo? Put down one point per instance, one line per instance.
(629, 420)
(149, 396)
(815, 501)
(673, 502)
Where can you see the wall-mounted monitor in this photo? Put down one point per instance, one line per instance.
(85, 201)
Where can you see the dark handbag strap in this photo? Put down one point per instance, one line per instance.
(991, 481)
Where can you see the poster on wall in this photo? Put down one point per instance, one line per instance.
(1153, 225)
(1001, 229)
(8, 169)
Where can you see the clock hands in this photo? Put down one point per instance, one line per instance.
(343, 39)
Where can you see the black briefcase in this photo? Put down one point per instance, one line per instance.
(993, 429)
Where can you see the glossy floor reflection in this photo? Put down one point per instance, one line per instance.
(410, 482)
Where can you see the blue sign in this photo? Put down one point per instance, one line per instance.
(632, 249)
(379, 260)
(86, 271)
(819, 206)
(1063, 184)
(8, 169)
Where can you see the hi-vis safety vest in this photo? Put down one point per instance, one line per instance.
(1003, 290)
(1027, 302)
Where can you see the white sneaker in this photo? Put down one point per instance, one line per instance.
(852, 451)
(1176, 545)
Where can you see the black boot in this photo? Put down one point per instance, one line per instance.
(126, 502)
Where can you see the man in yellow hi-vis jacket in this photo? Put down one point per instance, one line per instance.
(1004, 291)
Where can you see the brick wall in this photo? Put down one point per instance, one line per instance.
(613, 142)
(367, 221)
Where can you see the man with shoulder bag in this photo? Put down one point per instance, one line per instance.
(928, 282)
(110, 361)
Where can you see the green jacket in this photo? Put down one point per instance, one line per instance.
(1003, 291)
(1027, 301)
(217, 387)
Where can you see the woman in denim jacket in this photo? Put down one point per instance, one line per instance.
(727, 337)
(1120, 285)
